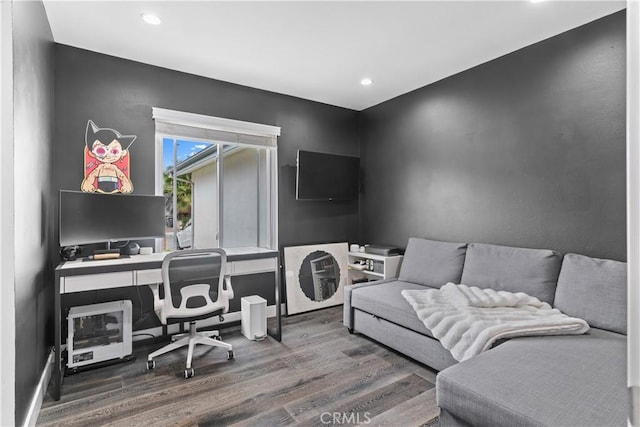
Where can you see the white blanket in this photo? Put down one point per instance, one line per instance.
(468, 320)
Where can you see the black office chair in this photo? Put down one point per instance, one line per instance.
(196, 286)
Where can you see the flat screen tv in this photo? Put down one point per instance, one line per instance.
(322, 176)
(95, 218)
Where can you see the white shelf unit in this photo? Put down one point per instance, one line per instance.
(323, 272)
(384, 267)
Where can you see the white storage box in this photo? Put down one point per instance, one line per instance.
(254, 317)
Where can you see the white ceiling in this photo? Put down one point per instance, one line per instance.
(318, 50)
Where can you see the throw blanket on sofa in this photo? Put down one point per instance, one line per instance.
(468, 320)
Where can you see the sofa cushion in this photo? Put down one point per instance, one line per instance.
(504, 268)
(386, 301)
(432, 263)
(595, 290)
(555, 381)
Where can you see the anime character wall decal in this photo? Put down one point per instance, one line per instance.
(106, 162)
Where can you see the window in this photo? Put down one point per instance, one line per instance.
(219, 180)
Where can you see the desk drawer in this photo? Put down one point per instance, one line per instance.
(90, 282)
(148, 277)
(252, 266)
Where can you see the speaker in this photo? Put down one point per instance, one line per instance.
(132, 249)
(70, 253)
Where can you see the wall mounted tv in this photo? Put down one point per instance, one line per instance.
(322, 176)
(95, 218)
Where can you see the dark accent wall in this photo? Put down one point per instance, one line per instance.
(33, 68)
(120, 94)
(525, 150)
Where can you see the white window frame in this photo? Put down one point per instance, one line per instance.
(221, 131)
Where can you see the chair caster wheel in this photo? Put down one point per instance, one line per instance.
(188, 373)
(230, 355)
(350, 330)
(151, 364)
(217, 338)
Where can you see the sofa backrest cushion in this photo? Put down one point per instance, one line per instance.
(432, 263)
(595, 290)
(504, 268)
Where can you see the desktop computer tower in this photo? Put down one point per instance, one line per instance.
(98, 332)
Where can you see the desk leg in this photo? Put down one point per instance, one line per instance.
(277, 333)
(57, 370)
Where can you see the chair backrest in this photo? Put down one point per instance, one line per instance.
(195, 283)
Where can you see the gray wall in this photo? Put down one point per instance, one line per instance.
(526, 150)
(34, 143)
(118, 93)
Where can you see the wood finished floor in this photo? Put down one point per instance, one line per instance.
(318, 368)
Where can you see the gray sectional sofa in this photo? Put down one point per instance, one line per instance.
(577, 380)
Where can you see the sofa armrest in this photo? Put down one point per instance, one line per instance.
(348, 310)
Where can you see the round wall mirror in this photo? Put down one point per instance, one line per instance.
(319, 276)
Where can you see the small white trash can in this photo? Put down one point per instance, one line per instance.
(254, 317)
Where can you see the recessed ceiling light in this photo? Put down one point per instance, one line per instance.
(151, 19)
(366, 81)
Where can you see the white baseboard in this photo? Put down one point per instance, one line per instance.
(38, 395)
(236, 316)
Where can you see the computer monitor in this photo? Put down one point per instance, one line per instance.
(95, 218)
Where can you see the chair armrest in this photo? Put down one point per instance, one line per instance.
(227, 288)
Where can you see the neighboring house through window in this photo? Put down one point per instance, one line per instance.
(219, 180)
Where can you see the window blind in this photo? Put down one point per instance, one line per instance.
(197, 126)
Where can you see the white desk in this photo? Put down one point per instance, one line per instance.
(143, 270)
